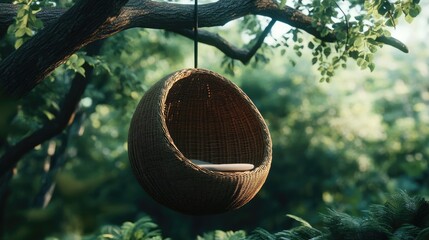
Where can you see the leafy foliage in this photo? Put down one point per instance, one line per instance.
(143, 229)
(26, 23)
(221, 235)
(401, 217)
(341, 146)
(357, 28)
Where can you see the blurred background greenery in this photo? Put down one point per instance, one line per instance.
(341, 145)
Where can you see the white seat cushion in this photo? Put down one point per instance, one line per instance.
(225, 167)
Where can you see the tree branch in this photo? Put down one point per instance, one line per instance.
(162, 15)
(51, 128)
(87, 21)
(393, 42)
(215, 40)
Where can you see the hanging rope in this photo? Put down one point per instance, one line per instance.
(196, 34)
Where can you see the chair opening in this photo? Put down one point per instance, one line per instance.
(209, 119)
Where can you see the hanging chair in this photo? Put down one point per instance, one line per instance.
(197, 115)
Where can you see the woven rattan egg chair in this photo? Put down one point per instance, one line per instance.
(198, 114)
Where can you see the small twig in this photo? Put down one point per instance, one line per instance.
(260, 40)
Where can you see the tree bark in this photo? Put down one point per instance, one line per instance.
(22, 70)
(87, 21)
(67, 31)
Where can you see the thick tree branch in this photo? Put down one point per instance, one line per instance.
(215, 40)
(87, 21)
(161, 15)
(7, 14)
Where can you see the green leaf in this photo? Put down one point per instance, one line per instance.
(19, 43)
(107, 236)
(24, 20)
(282, 4)
(327, 51)
(21, 13)
(261, 234)
(81, 71)
(360, 61)
(49, 115)
(73, 58)
(409, 19)
(369, 57)
(397, 13)
(20, 32)
(298, 219)
(127, 230)
(358, 42)
(415, 10)
(80, 62)
(325, 32)
(26, 7)
(372, 48)
(138, 234)
(28, 31)
(314, 60)
(371, 66)
(423, 235)
(38, 24)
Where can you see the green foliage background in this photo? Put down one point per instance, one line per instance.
(342, 145)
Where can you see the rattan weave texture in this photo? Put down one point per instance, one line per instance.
(198, 114)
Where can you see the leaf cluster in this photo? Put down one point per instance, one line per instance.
(356, 25)
(142, 229)
(222, 235)
(26, 23)
(402, 217)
